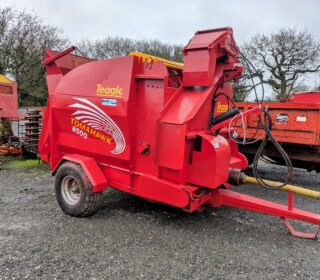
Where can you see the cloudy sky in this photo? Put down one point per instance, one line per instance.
(169, 20)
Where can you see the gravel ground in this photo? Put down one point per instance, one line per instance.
(134, 239)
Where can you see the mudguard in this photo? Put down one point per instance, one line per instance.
(91, 168)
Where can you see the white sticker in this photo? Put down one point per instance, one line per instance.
(301, 119)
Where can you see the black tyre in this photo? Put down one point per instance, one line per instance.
(74, 191)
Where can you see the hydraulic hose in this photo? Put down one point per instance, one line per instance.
(224, 116)
(259, 154)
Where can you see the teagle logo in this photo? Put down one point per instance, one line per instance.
(116, 92)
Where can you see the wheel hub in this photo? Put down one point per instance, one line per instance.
(70, 190)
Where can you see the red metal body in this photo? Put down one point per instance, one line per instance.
(142, 127)
(8, 98)
(295, 123)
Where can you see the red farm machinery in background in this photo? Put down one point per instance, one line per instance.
(152, 128)
(8, 113)
(8, 98)
(19, 133)
(295, 124)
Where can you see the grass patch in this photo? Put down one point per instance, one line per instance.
(19, 163)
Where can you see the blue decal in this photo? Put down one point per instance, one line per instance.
(109, 102)
(216, 145)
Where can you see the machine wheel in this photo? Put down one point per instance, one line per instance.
(74, 191)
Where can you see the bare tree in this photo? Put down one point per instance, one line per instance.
(6, 17)
(23, 38)
(117, 46)
(284, 58)
(106, 48)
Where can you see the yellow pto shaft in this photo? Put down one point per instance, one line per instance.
(288, 188)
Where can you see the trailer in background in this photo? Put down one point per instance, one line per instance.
(295, 124)
(19, 131)
(8, 98)
(8, 113)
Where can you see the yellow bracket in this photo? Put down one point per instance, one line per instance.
(151, 58)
